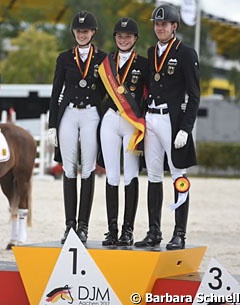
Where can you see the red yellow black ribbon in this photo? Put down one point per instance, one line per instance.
(85, 72)
(121, 80)
(165, 54)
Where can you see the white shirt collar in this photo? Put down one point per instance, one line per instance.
(83, 52)
(161, 48)
(123, 57)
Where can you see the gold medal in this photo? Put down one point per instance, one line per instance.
(120, 89)
(157, 77)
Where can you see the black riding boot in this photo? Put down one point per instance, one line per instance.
(85, 206)
(181, 216)
(155, 198)
(70, 204)
(131, 202)
(112, 215)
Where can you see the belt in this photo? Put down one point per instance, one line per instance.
(158, 111)
(71, 105)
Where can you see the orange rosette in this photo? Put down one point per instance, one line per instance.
(182, 184)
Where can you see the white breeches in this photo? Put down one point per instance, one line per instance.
(115, 133)
(157, 141)
(78, 128)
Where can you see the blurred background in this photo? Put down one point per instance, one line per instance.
(32, 33)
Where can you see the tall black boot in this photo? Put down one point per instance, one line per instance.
(70, 204)
(181, 216)
(85, 206)
(131, 202)
(155, 198)
(112, 215)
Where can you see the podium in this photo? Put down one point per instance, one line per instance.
(12, 289)
(128, 270)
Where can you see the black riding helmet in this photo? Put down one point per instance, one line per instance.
(84, 20)
(166, 12)
(126, 25)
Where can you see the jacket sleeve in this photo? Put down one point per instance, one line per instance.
(58, 82)
(191, 74)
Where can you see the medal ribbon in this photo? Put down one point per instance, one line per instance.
(159, 67)
(84, 73)
(121, 80)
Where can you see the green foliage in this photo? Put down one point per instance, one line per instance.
(215, 155)
(32, 61)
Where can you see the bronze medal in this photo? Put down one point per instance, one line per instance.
(83, 83)
(120, 89)
(157, 77)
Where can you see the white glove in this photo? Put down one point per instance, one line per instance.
(181, 139)
(52, 136)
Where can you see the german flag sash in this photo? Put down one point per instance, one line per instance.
(126, 104)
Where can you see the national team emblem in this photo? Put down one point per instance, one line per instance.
(172, 63)
(135, 76)
(170, 70)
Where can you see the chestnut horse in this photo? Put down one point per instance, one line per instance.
(15, 177)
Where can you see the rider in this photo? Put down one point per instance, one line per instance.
(173, 103)
(124, 74)
(74, 118)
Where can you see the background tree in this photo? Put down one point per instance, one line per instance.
(33, 60)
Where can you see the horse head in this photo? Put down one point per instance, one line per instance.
(63, 293)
